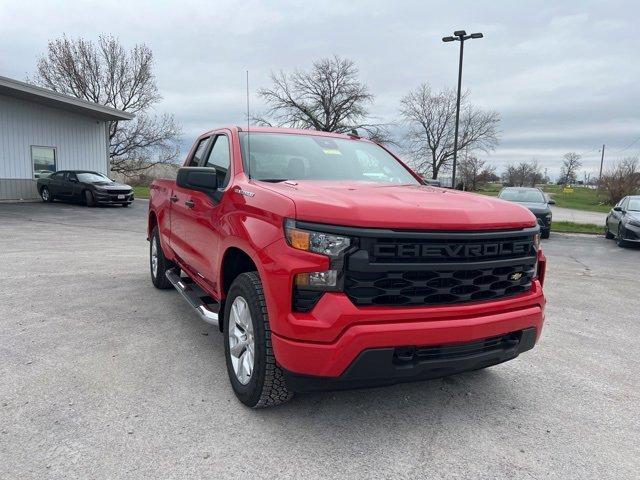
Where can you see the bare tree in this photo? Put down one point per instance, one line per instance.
(430, 118)
(523, 174)
(570, 166)
(329, 98)
(469, 169)
(107, 74)
(488, 175)
(621, 180)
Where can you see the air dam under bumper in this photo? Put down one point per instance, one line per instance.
(386, 366)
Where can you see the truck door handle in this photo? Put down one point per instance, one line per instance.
(173, 199)
(190, 203)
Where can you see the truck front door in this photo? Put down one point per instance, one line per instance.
(206, 213)
(181, 237)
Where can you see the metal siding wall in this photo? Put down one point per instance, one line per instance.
(79, 140)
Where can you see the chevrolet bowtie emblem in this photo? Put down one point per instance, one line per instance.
(514, 277)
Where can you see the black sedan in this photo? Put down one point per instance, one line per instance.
(535, 200)
(90, 188)
(623, 221)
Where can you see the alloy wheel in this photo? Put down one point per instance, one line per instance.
(241, 340)
(154, 256)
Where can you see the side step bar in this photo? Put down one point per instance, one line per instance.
(205, 306)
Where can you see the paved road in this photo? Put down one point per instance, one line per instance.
(578, 216)
(104, 377)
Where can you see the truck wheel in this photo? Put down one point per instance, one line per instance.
(256, 379)
(158, 263)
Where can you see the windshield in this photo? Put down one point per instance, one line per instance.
(91, 177)
(523, 196)
(277, 157)
(634, 204)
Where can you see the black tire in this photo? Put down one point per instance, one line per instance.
(125, 204)
(545, 234)
(159, 277)
(89, 200)
(266, 386)
(607, 234)
(619, 240)
(45, 194)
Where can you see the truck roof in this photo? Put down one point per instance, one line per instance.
(293, 131)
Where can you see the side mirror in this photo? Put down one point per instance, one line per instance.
(551, 201)
(198, 178)
(617, 209)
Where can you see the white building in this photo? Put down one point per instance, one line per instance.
(42, 131)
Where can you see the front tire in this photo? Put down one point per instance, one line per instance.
(619, 240)
(607, 234)
(255, 377)
(89, 200)
(158, 264)
(46, 196)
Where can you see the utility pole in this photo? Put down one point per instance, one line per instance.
(601, 163)
(459, 36)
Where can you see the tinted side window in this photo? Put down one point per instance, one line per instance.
(199, 153)
(71, 176)
(220, 159)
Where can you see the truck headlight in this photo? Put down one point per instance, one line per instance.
(319, 280)
(536, 241)
(318, 242)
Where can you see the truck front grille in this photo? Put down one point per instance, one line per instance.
(440, 268)
(437, 287)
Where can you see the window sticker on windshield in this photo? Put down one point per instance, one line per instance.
(328, 145)
(331, 151)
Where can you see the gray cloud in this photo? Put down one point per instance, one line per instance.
(563, 75)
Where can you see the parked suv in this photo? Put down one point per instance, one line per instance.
(327, 263)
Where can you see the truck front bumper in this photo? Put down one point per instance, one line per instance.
(375, 345)
(386, 366)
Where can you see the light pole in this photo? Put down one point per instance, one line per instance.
(458, 36)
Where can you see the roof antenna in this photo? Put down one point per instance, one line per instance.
(248, 132)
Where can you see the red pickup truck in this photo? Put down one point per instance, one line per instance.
(327, 263)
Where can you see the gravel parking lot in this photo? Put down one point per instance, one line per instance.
(102, 376)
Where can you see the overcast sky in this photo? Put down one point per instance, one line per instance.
(563, 75)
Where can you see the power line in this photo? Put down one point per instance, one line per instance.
(589, 151)
(630, 145)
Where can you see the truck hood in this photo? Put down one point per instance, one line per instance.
(365, 204)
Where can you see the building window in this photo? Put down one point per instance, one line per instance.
(44, 161)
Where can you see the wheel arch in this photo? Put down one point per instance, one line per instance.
(235, 261)
(152, 222)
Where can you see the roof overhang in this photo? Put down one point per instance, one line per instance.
(24, 91)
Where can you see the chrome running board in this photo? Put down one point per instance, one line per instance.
(205, 306)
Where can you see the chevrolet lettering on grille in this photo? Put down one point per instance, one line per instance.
(461, 250)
